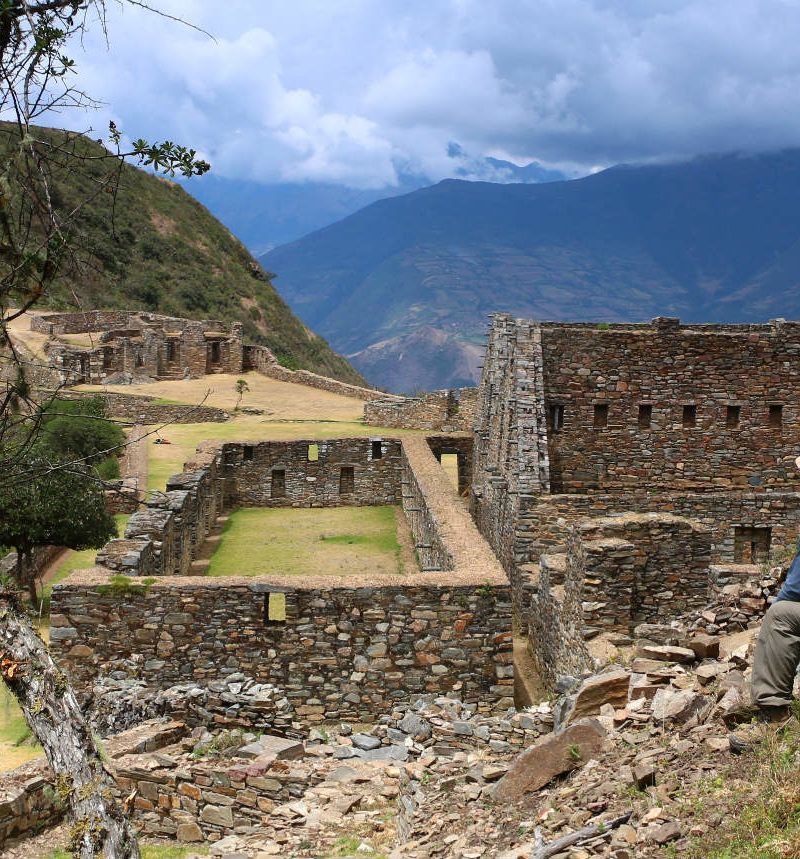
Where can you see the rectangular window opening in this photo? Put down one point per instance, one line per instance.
(776, 415)
(274, 609)
(313, 452)
(347, 480)
(377, 450)
(751, 545)
(556, 415)
(247, 453)
(600, 415)
(278, 483)
(690, 415)
(645, 416)
(732, 416)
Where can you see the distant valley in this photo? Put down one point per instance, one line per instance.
(403, 287)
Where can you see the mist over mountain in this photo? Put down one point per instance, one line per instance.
(264, 216)
(403, 287)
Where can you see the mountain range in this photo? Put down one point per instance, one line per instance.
(151, 246)
(264, 216)
(403, 287)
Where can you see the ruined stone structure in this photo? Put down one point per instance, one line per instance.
(344, 646)
(138, 345)
(670, 447)
(441, 411)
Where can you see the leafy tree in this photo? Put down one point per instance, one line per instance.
(54, 506)
(77, 430)
(37, 240)
(241, 389)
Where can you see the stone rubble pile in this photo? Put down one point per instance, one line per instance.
(737, 607)
(119, 703)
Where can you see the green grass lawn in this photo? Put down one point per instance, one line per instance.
(336, 541)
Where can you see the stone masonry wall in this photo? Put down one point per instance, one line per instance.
(556, 641)
(444, 411)
(139, 345)
(543, 520)
(146, 410)
(311, 473)
(677, 408)
(342, 652)
(261, 359)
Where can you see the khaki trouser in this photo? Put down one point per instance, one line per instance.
(777, 655)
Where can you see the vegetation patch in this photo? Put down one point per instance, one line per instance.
(753, 810)
(335, 541)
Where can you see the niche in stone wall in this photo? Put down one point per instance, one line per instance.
(347, 480)
(751, 545)
(278, 483)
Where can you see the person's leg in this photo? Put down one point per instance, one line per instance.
(777, 655)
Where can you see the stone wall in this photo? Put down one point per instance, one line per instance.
(310, 473)
(261, 359)
(444, 411)
(556, 641)
(543, 520)
(139, 345)
(343, 652)
(677, 407)
(28, 798)
(140, 409)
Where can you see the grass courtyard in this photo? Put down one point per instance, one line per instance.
(335, 541)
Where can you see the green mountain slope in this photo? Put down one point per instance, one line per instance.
(403, 287)
(154, 247)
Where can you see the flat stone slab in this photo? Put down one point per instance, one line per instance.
(549, 757)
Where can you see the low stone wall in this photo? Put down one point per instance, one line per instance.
(41, 556)
(206, 800)
(342, 652)
(140, 409)
(28, 800)
(643, 567)
(309, 473)
(445, 411)
(261, 359)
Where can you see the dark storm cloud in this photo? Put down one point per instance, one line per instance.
(348, 91)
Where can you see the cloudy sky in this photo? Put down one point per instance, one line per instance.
(351, 91)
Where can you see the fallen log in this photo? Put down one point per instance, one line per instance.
(555, 847)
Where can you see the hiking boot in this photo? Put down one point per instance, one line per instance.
(765, 720)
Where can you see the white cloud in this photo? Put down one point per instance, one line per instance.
(348, 91)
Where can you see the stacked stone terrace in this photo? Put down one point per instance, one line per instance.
(343, 646)
(693, 427)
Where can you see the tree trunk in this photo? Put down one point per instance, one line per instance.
(99, 827)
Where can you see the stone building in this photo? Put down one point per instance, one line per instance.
(695, 425)
(104, 345)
